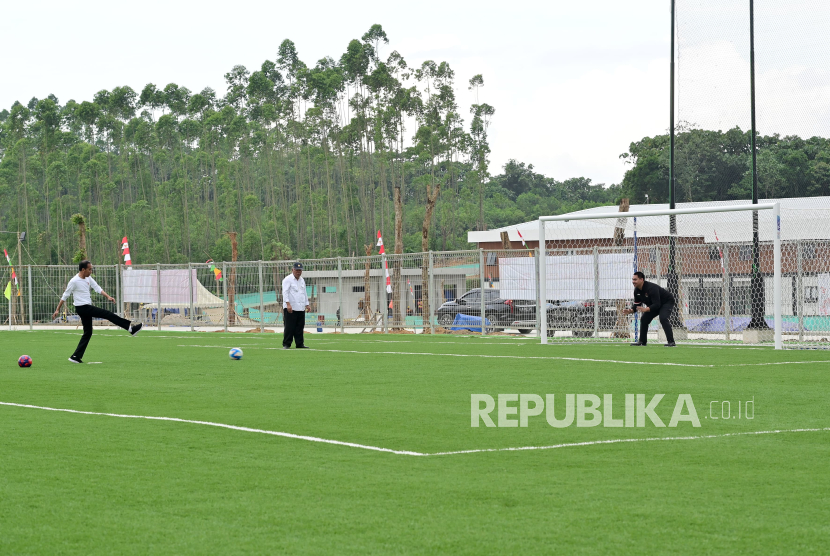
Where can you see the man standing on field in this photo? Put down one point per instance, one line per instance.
(79, 288)
(294, 306)
(651, 300)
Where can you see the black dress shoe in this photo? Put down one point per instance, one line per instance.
(303, 347)
(285, 347)
(670, 345)
(637, 344)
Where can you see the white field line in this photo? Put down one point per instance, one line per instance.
(407, 452)
(473, 355)
(621, 440)
(222, 426)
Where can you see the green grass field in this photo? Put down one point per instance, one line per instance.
(74, 483)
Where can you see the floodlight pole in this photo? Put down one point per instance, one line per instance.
(672, 282)
(757, 291)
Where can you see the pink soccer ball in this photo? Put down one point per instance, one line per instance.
(24, 361)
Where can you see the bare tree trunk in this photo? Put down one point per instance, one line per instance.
(397, 266)
(432, 197)
(367, 288)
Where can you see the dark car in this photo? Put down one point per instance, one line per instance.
(575, 316)
(500, 312)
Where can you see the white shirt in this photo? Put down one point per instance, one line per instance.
(79, 288)
(293, 292)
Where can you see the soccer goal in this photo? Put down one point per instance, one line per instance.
(733, 276)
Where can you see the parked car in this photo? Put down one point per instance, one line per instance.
(575, 316)
(500, 312)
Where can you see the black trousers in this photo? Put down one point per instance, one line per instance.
(89, 312)
(664, 313)
(294, 324)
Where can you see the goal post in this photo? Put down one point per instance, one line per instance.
(708, 254)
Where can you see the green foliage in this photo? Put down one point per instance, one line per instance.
(717, 166)
(301, 160)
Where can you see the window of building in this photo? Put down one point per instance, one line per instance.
(745, 253)
(358, 289)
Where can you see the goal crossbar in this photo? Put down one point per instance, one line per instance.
(664, 212)
(774, 207)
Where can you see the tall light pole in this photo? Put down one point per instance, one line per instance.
(672, 281)
(756, 283)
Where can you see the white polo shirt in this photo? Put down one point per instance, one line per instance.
(293, 292)
(79, 288)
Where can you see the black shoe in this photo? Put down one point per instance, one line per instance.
(637, 344)
(74, 359)
(670, 345)
(134, 328)
(286, 347)
(303, 347)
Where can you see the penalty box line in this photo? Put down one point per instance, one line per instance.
(407, 452)
(589, 360)
(474, 355)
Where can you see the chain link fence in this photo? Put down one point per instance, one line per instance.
(433, 292)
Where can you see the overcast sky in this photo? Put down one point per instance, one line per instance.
(573, 83)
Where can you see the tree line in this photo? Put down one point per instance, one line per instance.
(311, 160)
(717, 166)
(300, 160)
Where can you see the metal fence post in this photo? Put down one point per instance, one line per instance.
(536, 274)
(225, 295)
(31, 312)
(481, 282)
(727, 297)
(158, 296)
(430, 296)
(190, 282)
(799, 292)
(262, 299)
(541, 280)
(119, 309)
(340, 315)
(596, 292)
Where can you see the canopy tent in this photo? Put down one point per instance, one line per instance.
(142, 286)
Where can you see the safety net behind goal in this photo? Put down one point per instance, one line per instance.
(718, 263)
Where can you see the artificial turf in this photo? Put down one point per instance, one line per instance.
(90, 484)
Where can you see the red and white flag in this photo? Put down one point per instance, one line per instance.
(125, 250)
(521, 238)
(385, 264)
(380, 244)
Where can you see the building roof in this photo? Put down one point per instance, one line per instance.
(801, 218)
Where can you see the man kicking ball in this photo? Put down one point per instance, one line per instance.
(79, 288)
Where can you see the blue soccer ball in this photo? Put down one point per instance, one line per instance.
(235, 354)
(24, 361)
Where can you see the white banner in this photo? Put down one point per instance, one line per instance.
(568, 277)
(141, 286)
(824, 294)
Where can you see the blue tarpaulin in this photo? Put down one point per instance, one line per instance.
(468, 322)
(737, 324)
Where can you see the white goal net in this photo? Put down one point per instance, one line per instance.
(739, 273)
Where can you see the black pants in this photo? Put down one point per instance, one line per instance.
(87, 313)
(664, 313)
(294, 323)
